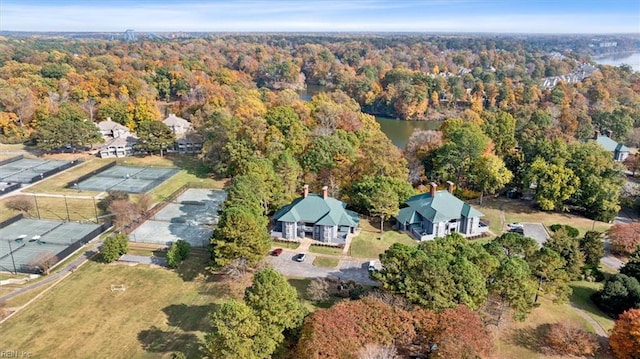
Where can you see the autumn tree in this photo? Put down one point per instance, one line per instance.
(566, 339)
(624, 237)
(346, 327)
(461, 334)
(625, 335)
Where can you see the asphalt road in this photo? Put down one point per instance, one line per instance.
(535, 231)
(347, 269)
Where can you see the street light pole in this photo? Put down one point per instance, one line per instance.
(67, 207)
(12, 260)
(35, 199)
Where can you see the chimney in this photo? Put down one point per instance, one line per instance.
(305, 188)
(450, 187)
(596, 134)
(108, 118)
(609, 133)
(433, 189)
(324, 192)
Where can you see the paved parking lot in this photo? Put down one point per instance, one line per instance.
(356, 270)
(535, 231)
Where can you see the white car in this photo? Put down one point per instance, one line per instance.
(515, 225)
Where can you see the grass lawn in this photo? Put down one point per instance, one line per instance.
(492, 217)
(161, 311)
(327, 262)
(581, 297)
(519, 340)
(370, 243)
(325, 250)
(290, 245)
(522, 211)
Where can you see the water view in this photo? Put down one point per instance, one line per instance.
(398, 131)
(632, 59)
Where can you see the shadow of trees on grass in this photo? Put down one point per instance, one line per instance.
(189, 317)
(157, 340)
(185, 321)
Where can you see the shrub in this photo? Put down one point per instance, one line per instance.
(178, 252)
(571, 231)
(114, 247)
(318, 290)
(562, 339)
(619, 293)
(20, 203)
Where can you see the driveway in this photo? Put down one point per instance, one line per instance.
(347, 269)
(535, 231)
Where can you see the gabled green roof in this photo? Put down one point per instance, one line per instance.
(442, 207)
(610, 145)
(315, 209)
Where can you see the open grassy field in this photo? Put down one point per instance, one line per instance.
(521, 211)
(519, 340)
(161, 311)
(370, 243)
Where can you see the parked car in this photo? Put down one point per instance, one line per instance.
(515, 225)
(300, 257)
(276, 252)
(372, 266)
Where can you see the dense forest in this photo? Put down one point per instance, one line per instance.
(517, 110)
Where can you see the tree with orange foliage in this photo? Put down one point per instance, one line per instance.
(625, 335)
(625, 237)
(342, 330)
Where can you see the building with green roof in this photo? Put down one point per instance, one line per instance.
(439, 213)
(318, 216)
(620, 152)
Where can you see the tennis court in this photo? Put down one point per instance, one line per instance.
(191, 217)
(126, 178)
(26, 241)
(29, 170)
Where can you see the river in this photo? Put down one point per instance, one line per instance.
(398, 131)
(630, 58)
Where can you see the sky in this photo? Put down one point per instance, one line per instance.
(496, 16)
